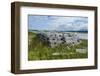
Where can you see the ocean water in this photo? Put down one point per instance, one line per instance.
(83, 35)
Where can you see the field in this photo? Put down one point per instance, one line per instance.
(38, 50)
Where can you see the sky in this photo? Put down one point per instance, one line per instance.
(59, 23)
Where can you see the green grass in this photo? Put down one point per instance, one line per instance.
(38, 50)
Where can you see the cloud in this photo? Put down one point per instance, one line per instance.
(58, 23)
(70, 23)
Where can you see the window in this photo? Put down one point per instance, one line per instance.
(47, 38)
(62, 39)
(53, 39)
(59, 35)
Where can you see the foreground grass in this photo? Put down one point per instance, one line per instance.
(38, 50)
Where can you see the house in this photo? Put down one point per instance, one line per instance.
(55, 38)
(71, 38)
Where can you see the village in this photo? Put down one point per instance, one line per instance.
(55, 38)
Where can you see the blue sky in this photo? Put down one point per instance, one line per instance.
(40, 22)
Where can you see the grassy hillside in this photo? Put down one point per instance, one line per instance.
(38, 50)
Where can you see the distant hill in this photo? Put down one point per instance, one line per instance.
(82, 31)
